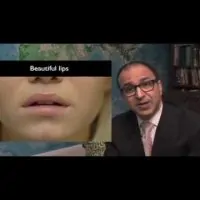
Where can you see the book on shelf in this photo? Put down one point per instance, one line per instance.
(186, 60)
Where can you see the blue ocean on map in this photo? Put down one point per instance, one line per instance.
(9, 51)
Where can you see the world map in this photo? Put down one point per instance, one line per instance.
(117, 53)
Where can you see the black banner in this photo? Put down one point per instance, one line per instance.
(55, 68)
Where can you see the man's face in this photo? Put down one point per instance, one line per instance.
(82, 96)
(147, 98)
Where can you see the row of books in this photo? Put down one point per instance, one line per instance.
(186, 55)
(188, 77)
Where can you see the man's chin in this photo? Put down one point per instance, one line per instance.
(145, 114)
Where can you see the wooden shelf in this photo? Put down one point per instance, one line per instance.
(185, 66)
(187, 87)
(182, 45)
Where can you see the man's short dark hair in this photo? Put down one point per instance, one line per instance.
(134, 63)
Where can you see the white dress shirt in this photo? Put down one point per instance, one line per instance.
(154, 120)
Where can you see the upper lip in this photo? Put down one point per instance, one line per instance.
(46, 99)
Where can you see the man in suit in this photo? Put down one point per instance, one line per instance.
(151, 127)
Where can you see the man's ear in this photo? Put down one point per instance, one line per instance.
(160, 86)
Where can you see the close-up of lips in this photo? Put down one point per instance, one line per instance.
(73, 109)
(45, 104)
(143, 103)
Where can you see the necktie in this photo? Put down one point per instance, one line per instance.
(146, 128)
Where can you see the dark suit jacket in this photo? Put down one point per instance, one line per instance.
(177, 134)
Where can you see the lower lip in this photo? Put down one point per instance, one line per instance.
(145, 105)
(47, 110)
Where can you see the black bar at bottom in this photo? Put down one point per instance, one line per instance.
(55, 68)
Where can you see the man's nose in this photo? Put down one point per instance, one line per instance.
(52, 79)
(139, 93)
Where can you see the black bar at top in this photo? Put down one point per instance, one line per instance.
(55, 68)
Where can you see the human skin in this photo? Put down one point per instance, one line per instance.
(84, 95)
(136, 75)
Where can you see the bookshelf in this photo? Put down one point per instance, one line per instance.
(186, 66)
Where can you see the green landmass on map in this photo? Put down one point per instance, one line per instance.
(53, 51)
(74, 51)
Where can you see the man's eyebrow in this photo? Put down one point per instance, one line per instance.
(141, 80)
(145, 78)
(127, 83)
